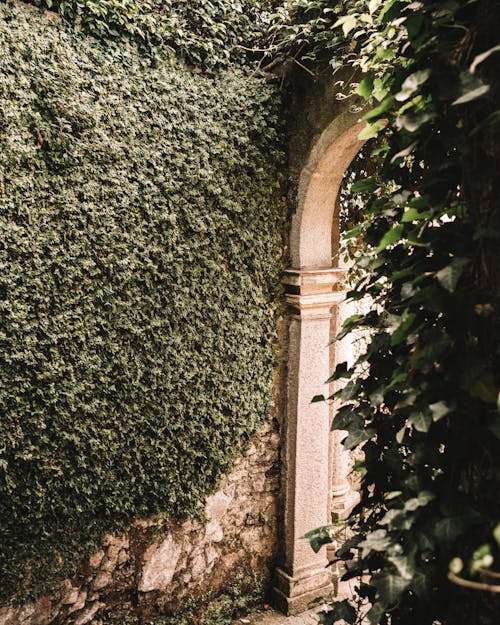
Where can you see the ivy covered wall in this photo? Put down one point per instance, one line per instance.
(141, 242)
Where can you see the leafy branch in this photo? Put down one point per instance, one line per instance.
(425, 408)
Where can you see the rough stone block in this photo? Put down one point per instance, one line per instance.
(159, 565)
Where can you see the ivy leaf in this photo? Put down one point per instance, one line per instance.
(317, 398)
(357, 437)
(379, 90)
(379, 110)
(341, 371)
(413, 121)
(389, 587)
(390, 237)
(413, 214)
(397, 519)
(319, 537)
(420, 421)
(422, 500)
(341, 611)
(471, 88)
(449, 275)
(412, 84)
(352, 320)
(362, 186)
(447, 530)
(365, 87)
(346, 418)
(378, 540)
(484, 388)
(439, 410)
(348, 22)
(371, 131)
(404, 564)
(402, 330)
(396, 379)
(482, 57)
(376, 612)
(420, 584)
(496, 534)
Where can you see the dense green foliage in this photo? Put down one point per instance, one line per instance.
(141, 223)
(242, 594)
(205, 33)
(426, 405)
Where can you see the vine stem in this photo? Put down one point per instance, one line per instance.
(460, 581)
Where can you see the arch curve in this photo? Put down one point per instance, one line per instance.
(311, 241)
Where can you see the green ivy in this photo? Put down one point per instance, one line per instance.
(141, 222)
(424, 398)
(205, 33)
(243, 593)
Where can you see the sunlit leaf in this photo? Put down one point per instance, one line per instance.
(391, 237)
(471, 88)
(412, 84)
(482, 57)
(449, 275)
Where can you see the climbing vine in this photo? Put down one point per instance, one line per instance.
(206, 33)
(141, 226)
(426, 407)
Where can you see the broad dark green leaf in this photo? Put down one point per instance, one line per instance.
(367, 185)
(319, 537)
(412, 84)
(420, 420)
(341, 611)
(402, 330)
(358, 436)
(391, 237)
(450, 275)
(375, 613)
(378, 540)
(439, 410)
(389, 587)
(365, 87)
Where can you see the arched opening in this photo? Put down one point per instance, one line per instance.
(315, 480)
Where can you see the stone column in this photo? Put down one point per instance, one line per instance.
(313, 296)
(344, 498)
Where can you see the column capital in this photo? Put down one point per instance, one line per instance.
(314, 291)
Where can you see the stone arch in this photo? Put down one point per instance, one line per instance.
(315, 473)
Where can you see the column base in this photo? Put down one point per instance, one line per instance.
(292, 595)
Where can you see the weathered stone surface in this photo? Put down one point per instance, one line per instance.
(116, 544)
(191, 559)
(38, 613)
(217, 505)
(104, 578)
(79, 603)
(70, 596)
(122, 557)
(159, 565)
(211, 555)
(197, 565)
(6, 614)
(214, 532)
(96, 559)
(87, 616)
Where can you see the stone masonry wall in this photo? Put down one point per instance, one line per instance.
(156, 563)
